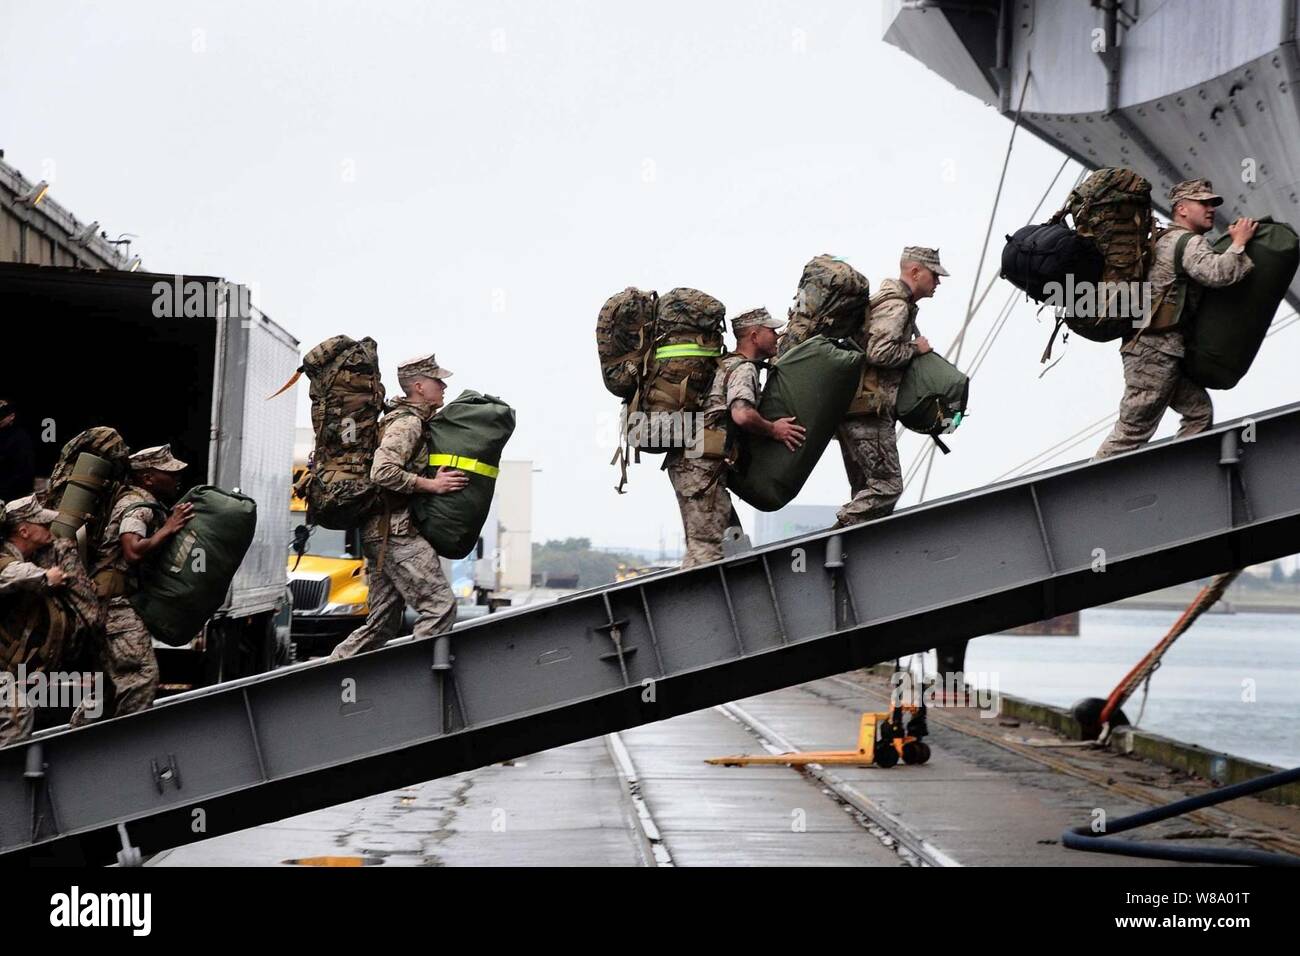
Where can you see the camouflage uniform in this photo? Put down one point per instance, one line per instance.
(127, 656)
(869, 443)
(18, 576)
(700, 483)
(23, 580)
(21, 574)
(401, 567)
(1153, 374)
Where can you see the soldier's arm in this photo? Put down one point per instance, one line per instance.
(742, 401)
(22, 576)
(741, 396)
(1214, 269)
(400, 440)
(133, 532)
(889, 340)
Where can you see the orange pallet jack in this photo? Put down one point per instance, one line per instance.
(884, 738)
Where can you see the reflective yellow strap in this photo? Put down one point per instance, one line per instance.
(685, 351)
(465, 464)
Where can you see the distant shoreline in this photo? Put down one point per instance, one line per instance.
(1160, 602)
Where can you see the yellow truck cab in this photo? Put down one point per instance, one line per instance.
(327, 578)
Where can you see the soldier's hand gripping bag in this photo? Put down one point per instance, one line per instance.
(932, 395)
(1224, 336)
(185, 585)
(815, 382)
(468, 434)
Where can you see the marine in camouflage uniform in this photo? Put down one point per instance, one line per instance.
(1153, 359)
(401, 566)
(868, 438)
(700, 482)
(47, 605)
(127, 655)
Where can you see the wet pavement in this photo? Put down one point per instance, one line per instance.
(977, 803)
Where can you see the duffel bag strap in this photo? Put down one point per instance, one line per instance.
(1047, 352)
(465, 463)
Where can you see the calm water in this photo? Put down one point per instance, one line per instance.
(1196, 694)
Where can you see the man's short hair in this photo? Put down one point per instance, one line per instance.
(409, 379)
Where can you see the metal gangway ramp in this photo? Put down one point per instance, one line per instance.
(315, 735)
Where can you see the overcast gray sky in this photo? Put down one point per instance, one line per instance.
(474, 179)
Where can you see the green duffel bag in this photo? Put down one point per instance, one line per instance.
(1229, 326)
(815, 382)
(187, 582)
(932, 395)
(468, 434)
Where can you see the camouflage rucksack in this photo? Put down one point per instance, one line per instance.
(676, 371)
(105, 443)
(347, 398)
(687, 345)
(102, 441)
(1112, 206)
(833, 300)
(624, 329)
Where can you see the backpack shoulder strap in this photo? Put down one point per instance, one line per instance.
(1179, 248)
(1064, 211)
(392, 413)
(1166, 312)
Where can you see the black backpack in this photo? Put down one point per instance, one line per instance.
(1038, 255)
(1051, 252)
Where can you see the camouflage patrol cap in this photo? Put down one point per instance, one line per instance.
(1201, 190)
(27, 511)
(158, 457)
(755, 317)
(926, 257)
(423, 365)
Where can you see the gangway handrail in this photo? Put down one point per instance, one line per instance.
(259, 749)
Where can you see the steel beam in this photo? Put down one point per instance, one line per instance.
(316, 735)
